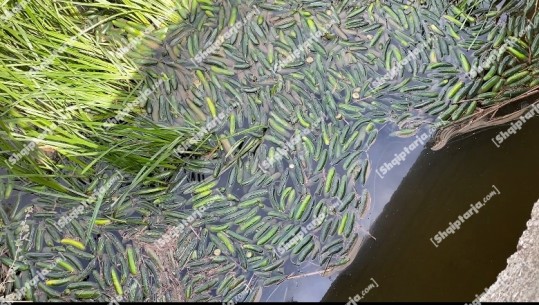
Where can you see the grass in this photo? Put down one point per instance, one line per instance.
(60, 77)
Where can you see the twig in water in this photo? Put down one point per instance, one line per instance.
(368, 233)
(194, 232)
(309, 274)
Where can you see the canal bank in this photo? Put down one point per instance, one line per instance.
(519, 281)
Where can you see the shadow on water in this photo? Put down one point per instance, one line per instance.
(438, 188)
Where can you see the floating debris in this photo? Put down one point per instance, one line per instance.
(279, 164)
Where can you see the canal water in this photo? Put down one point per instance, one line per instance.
(433, 192)
(415, 200)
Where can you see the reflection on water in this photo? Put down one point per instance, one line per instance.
(415, 200)
(314, 287)
(439, 187)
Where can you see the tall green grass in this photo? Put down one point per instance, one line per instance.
(58, 66)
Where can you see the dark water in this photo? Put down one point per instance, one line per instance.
(438, 188)
(418, 198)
